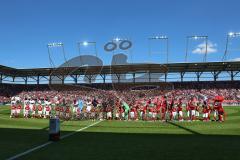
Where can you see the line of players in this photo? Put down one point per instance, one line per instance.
(163, 110)
(148, 110)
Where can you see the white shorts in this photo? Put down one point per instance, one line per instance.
(117, 115)
(141, 113)
(101, 115)
(89, 108)
(205, 115)
(26, 113)
(109, 114)
(132, 114)
(47, 113)
(180, 113)
(188, 113)
(74, 109)
(33, 112)
(150, 114)
(13, 112)
(39, 112)
(123, 114)
(197, 114)
(18, 111)
(193, 112)
(174, 114)
(154, 115)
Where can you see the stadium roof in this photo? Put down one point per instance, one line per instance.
(123, 69)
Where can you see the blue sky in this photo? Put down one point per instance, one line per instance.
(28, 25)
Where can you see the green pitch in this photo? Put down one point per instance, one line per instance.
(123, 140)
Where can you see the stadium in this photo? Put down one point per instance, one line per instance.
(83, 107)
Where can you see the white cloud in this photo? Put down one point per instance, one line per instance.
(201, 48)
(235, 59)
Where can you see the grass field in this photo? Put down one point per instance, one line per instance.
(123, 140)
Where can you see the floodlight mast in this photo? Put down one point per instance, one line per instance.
(162, 37)
(55, 45)
(229, 35)
(196, 37)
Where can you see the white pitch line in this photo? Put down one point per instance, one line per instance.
(79, 130)
(50, 142)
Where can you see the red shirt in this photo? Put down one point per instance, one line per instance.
(61, 109)
(13, 107)
(48, 108)
(57, 108)
(216, 106)
(27, 108)
(40, 108)
(191, 105)
(174, 109)
(205, 110)
(164, 104)
(151, 109)
(220, 107)
(67, 110)
(179, 107)
(158, 106)
(145, 109)
(19, 107)
(34, 108)
(121, 110)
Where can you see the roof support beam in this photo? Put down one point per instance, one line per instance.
(89, 77)
(25, 80)
(149, 76)
(103, 77)
(134, 77)
(199, 75)
(215, 75)
(38, 80)
(182, 76)
(75, 78)
(118, 77)
(165, 76)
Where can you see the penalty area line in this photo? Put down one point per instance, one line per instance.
(50, 142)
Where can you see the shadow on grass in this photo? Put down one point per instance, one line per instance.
(105, 145)
(184, 128)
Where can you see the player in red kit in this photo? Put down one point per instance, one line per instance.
(13, 110)
(57, 111)
(205, 112)
(133, 113)
(47, 111)
(40, 111)
(34, 111)
(67, 113)
(180, 110)
(218, 106)
(164, 108)
(192, 106)
(27, 111)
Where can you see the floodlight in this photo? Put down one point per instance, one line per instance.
(230, 34)
(85, 43)
(117, 39)
(195, 37)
